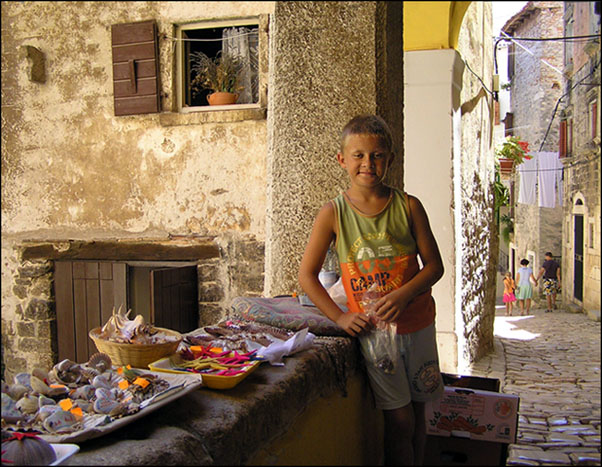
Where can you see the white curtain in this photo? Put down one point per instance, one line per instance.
(243, 43)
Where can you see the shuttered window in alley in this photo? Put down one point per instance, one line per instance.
(136, 85)
(562, 140)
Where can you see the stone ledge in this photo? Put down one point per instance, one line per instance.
(594, 315)
(213, 116)
(119, 250)
(227, 427)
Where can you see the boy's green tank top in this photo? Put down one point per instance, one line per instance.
(381, 249)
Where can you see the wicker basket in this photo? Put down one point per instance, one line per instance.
(136, 355)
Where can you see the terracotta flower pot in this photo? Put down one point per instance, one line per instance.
(506, 166)
(222, 98)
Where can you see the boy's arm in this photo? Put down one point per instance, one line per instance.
(311, 264)
(392, 304)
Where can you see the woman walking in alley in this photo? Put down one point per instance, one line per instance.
(524, 289)
(509, 298)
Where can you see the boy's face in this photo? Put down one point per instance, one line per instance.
(365, 158)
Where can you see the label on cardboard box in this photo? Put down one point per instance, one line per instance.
(474, 414)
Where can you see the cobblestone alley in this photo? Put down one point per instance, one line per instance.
(552, 362)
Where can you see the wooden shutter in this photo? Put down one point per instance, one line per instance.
(174, 298)
(85, 292)
(136, 85)
(562, 143)
(509, 124)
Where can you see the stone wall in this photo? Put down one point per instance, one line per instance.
(582, 177)
(72, 170)
(536, 88)
(478, 232)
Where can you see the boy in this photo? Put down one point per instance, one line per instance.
(379, 232)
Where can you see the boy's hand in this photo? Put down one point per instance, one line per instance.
(389, 307)
(355, 324)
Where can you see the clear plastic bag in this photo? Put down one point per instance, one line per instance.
(380, 343)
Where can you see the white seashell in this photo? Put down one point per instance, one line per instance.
(85, 405)
(59, 420)
(46, 410)
(10, 414)
(28, 404)
(39, 373)
(43, 400)
(101, 381)
(65, 365)
(85, 392)
(4, 386)
(16, 391)
(106, 406)
(23, 378)
(38, 386)
(104, 393)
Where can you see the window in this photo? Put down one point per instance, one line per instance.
(593, 118)
(240, 39)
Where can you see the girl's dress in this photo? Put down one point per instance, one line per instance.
(525, 289)
(508, 291)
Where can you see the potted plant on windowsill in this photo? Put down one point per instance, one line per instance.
(219, 74)
(512, 152)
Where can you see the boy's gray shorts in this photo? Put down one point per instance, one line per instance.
(417, 377)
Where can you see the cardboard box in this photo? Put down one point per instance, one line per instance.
(462, 451)
(474, 414)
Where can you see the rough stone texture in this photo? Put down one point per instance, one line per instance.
(73, 172)
(318, 82)
(535, 90)
(478, 232)
(582, 178)
(213, 427)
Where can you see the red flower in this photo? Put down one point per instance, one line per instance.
(524, 145)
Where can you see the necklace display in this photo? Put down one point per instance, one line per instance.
(348, 198)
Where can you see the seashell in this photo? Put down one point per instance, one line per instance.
(100, 361)
(46, 410)
(104, 393)
(85, 405)
(10, 414)
(43, 400)
(101, 381)
(65, 365)
(107, 406)
(28, 404)
(57, 391)
(59, 421)
(85, 392)
(4, 387)
(38, 386)
(23, 378)
(16, 391)
(39, 373)
(89, 373)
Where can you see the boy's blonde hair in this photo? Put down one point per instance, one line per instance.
(368, 125)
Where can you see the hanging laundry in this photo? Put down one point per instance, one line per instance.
(527, 179)
(549, 164)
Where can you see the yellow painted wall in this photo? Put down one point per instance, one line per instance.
(432, 25)
(333, 430)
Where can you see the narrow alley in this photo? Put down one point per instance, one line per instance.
(552, 362)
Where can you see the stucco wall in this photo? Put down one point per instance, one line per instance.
(72, 170)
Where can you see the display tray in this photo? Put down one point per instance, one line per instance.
(63, 452)
(99, 425)
(209, 380)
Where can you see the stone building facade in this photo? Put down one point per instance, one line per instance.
(535, 73)
(217, 188)
(580, 124)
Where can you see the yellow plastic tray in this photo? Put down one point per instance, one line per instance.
(208, 380)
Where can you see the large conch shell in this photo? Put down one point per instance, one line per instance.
(119, 328)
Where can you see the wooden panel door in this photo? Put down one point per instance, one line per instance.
(86, 293)
(174, 298)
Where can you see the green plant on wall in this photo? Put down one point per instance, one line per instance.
(501, 194)
(508, 227)
(515, 149)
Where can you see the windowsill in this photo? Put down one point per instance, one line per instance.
(213, 114)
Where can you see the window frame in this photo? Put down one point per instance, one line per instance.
(179, 79)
